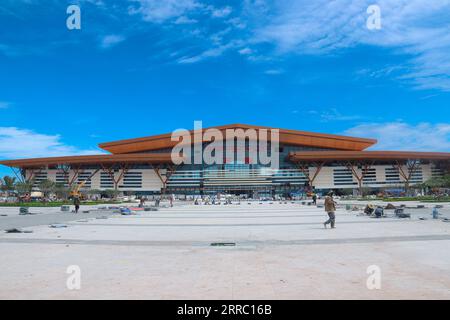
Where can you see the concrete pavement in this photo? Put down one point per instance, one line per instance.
(281, 251)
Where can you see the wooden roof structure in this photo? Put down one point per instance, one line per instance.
(132, 151)
(366, 155)
(148, 158)
(292, 137)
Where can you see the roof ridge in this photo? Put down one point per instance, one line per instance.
(365, 141)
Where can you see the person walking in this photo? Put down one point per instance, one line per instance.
(76, 203)
(314, 199)
(330, 208)
(435, 213)
(172, 199)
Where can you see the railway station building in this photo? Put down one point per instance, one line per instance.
(306, 160)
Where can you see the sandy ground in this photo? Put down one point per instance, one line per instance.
(282, 251)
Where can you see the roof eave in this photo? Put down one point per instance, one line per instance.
(301, 138)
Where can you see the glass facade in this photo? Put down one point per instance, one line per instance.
(233, 175)
(240, 177)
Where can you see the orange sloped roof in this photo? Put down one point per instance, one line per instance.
(366, 155)
(292, 137)
(153, 158)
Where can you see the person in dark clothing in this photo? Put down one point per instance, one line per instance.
(379, 212)
(76, 203)
(314, 199)
(369, 209)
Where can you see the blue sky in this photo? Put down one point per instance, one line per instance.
(144, 67)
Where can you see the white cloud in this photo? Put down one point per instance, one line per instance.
(237, 22)
(209, 53)
(4, 104)
(214, 52)
(221, 12)
(334, 115)
(331, 114)
(98, 3)
(405, 137)
(23, 143)
(274, 72)
(111, 40)
(311, 26)
(159, 11)
(246, 51)
(392, 70)
(185, 20)
(17, 50)
(218, 37)
(418, 28)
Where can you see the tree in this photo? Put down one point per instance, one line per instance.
(111, 193)
(61, 191)
(24, 187)
(46, 187)
(365, 191)
(439, 182)
(446, 181)
(7, 183)
(93, 192)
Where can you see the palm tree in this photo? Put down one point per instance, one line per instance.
(111, 193)
(439, 182)
(93, 192)
(24, 187)
(7, 184)
(46, 187)
(61, 191)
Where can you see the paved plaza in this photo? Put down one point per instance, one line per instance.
(280, 251)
